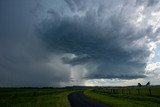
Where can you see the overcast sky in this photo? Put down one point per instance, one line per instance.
(79, 42)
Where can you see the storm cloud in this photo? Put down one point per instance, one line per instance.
(76, 40)
(24, 61)
(102, 38)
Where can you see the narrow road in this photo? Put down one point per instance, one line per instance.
(78, 99)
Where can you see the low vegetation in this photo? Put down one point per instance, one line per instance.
(57, 97)
(127, 96)
(34, 97)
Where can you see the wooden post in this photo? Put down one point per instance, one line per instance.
(150, 91)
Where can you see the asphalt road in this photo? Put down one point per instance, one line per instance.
(78, 99)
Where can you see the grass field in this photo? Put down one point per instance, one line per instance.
(127, 96)
(57, 97)
(34, 97)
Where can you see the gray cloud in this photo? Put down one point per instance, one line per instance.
(54, 43)
(24, 61)
(101, 38)
(147, 2)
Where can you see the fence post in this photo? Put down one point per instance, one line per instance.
(138, 91)
(150, 91)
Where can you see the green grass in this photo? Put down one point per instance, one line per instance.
(57, 97)
(132, 99)
(34, 97)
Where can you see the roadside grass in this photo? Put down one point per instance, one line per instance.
(132, 99)
(34, 97)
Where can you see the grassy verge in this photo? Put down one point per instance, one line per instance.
(121, 100)
(34, 97)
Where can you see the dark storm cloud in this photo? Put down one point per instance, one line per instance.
(101, 40)
(24, 61)
(46, 43)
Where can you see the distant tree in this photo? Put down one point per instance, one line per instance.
(149, 89)
(139, 85)
(148, 84)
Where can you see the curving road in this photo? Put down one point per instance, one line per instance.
(78, 99)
